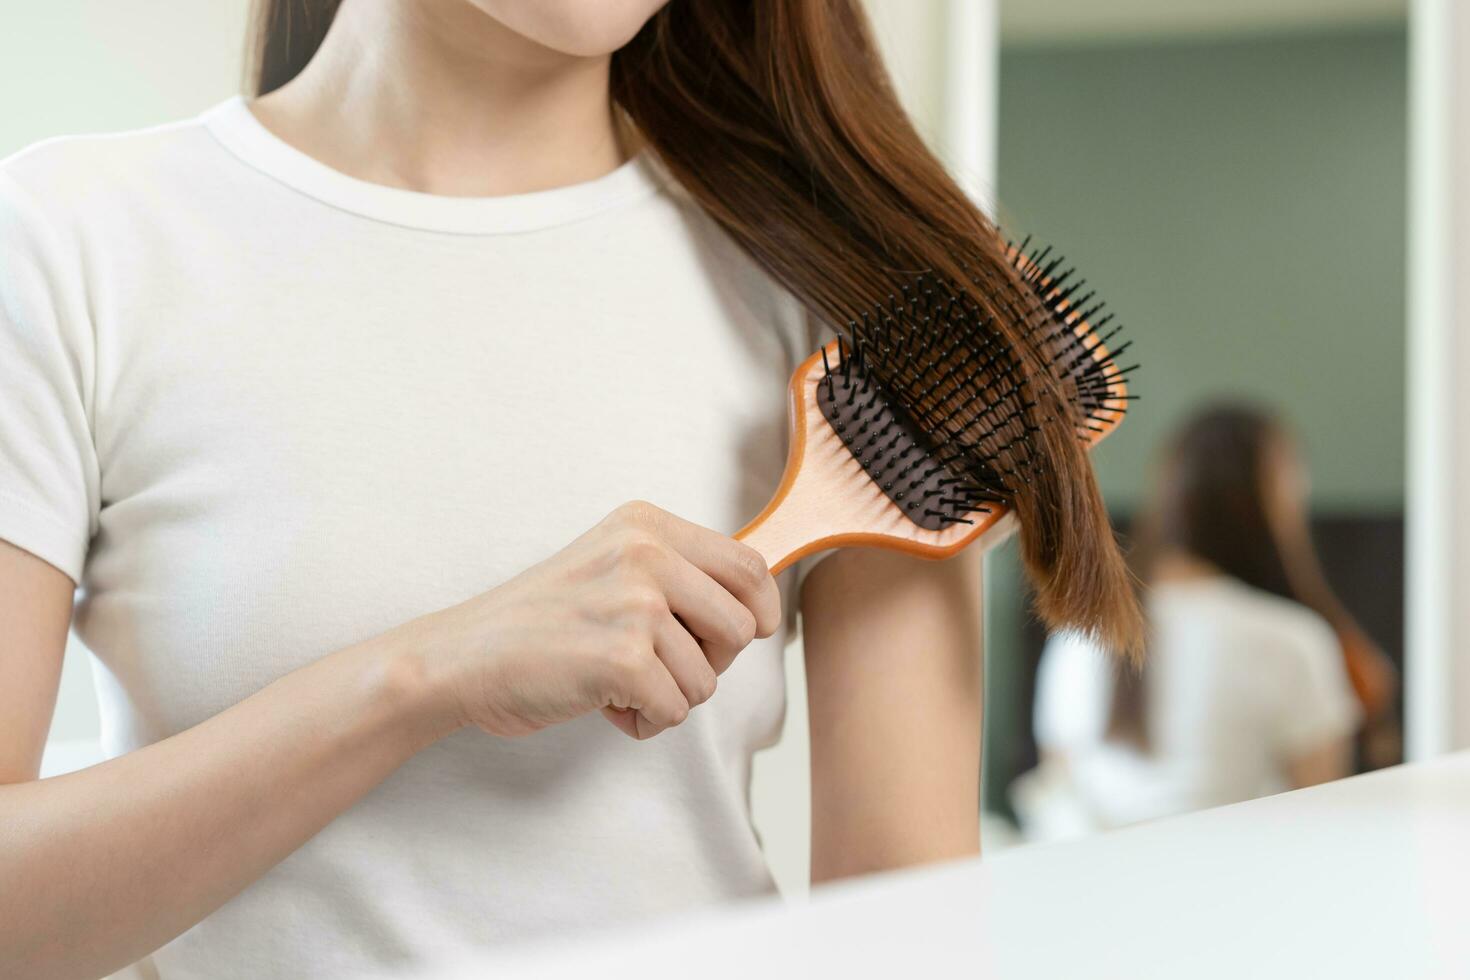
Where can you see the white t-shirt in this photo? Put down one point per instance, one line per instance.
(260, 410)
(1240, 682)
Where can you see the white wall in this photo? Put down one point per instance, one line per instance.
(1437, 674)
(71, 66)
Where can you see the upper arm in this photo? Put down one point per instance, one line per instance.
(35, 611)
(893, 649)
(49, 474)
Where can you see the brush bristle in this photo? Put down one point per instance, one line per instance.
(890, 447)
(1076, 337)
(934, 401)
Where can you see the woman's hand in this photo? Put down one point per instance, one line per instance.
(636, 618)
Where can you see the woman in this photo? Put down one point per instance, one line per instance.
(1245, 691)
(309, 394)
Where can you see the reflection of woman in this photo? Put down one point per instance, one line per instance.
(1245, 691)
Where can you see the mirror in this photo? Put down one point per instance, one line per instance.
(1234, 184)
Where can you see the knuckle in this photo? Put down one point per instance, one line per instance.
(628, 510)
(743, 626)
(750, 567)
(625, 659)
(647, 603)
(639, 513)
(636, 548)
(706, 685)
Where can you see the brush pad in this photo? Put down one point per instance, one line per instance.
(884, 443)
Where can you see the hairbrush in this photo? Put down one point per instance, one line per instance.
(909, 434)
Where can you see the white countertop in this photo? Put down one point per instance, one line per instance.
(1367, 877)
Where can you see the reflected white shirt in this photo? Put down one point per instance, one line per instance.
(1240, 682)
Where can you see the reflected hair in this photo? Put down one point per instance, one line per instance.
(1211, 502)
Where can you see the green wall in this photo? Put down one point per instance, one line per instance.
(1241, 205)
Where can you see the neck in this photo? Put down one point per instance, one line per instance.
(437, 96)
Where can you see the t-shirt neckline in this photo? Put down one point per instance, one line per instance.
(239, 131)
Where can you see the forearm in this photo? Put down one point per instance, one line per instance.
(102, 866)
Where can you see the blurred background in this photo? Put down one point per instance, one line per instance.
(1245, 183)
(1233, 179)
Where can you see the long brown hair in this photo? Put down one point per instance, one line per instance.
(779, 120)
(1211, 501)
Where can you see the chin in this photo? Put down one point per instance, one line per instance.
(584, 28)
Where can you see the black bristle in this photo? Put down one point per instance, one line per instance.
(938, 406)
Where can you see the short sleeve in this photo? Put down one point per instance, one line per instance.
(49, 474)
(1318, 703)
(1074, 686)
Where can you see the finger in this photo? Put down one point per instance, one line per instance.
(737, 567)
(685, 660)
(720, 623)
(664, 705)
(631, 722)
(625, 719)
(646, 687)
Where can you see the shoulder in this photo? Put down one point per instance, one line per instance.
(64, 178)
(1241, 604)
(678, 208)
(1300, 656)
(1286, 616)
(1266, 622)
(722, 259)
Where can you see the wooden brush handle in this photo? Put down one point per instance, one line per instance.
(799, 522)
(778, 548)
(789, 527)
